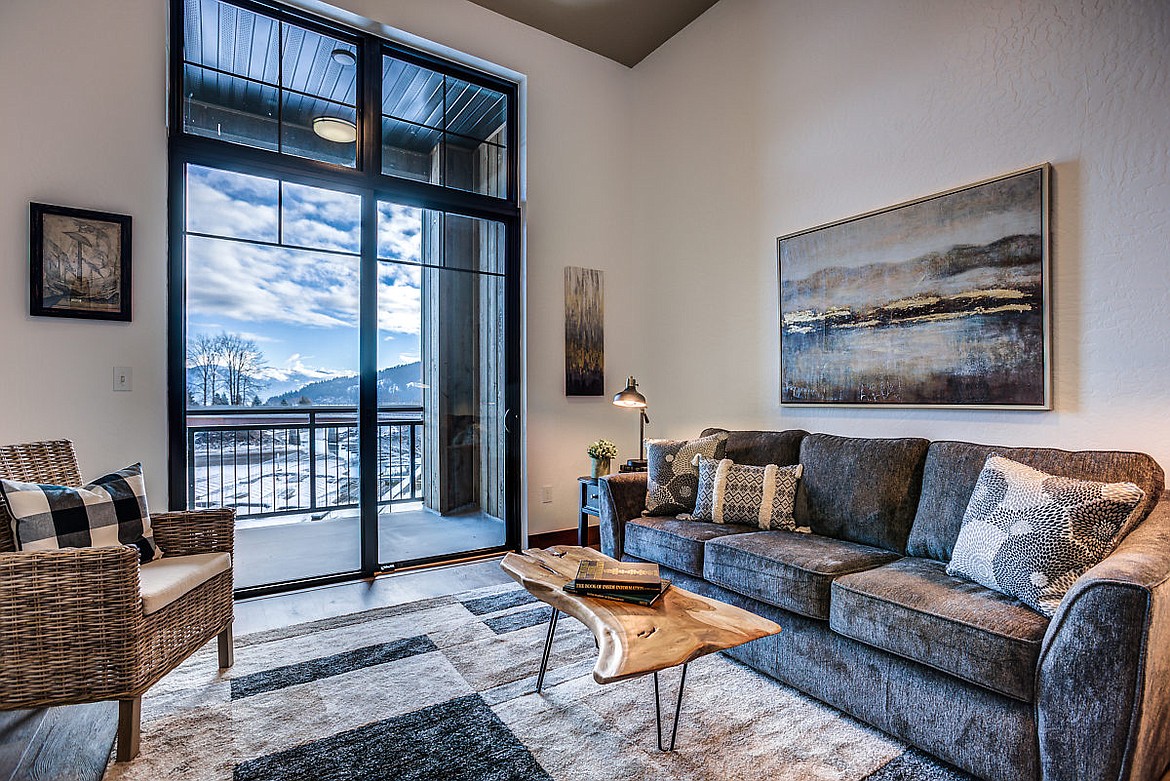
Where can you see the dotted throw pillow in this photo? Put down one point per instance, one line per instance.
(734, 493)
(673, 479)
(1030, 535)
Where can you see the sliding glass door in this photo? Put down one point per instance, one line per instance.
(441, 338)
(345, 297)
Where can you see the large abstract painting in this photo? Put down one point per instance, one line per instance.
(584, 332)
(941, 301)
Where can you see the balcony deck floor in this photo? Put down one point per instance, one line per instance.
(290, 551)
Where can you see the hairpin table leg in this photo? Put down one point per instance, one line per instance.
(552, 628)
(677, 708)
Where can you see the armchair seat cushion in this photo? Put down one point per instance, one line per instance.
(163, 581)
(675, 543)
(912, 608)
(787, 569)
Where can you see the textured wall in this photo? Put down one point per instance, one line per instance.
(764, 117)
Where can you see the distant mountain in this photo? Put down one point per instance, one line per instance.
(396, 385)
(276, 382)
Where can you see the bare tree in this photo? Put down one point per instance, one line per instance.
(204, 355)
(242, 362)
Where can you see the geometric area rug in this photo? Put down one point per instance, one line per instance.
(443, 689)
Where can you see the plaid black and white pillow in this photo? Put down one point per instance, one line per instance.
(109, 511)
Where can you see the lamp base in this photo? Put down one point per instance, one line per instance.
(633, 465)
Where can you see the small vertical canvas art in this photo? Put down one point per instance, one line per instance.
(584, 332)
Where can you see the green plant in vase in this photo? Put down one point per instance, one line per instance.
(601, 453)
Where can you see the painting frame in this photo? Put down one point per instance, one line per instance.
(948, 221)
(100, 286)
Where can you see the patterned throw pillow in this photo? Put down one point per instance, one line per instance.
(109, 511)
(1030, 535)
(735, 493)
(673, 479)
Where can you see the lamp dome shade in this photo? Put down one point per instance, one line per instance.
(630, 397)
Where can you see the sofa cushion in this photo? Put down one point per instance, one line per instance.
(952, 469)
(912, 608)
(861, 490)
(1030, 535)
(675, 543)
(787, 569)
(760, 448)
(674, 477)
(162, 582)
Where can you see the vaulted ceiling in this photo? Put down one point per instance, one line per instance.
(622, 30)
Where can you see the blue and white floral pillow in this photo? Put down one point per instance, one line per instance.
(1030, 535)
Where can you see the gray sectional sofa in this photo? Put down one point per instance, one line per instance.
(874, 626)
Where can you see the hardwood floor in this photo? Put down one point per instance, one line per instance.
(72, 743)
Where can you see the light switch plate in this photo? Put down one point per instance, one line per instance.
(123, 378)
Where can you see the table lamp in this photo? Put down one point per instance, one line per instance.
(632, 399)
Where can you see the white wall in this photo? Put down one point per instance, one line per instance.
(82, 90)
(82, 96)
(764, 117)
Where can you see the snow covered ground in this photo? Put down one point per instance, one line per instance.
(265, 471)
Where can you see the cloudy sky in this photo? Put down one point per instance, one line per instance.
(299, 305)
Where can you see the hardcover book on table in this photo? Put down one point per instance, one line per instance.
(592, 572)
(640, 596)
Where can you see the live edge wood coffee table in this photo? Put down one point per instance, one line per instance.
(634, 640)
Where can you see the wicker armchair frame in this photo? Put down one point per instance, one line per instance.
(72, 628)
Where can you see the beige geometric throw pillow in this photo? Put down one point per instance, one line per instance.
(762, 496)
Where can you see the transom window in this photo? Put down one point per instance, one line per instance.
(265, 82)
(262, 82)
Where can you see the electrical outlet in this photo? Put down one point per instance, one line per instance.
(545, 494)
(123, 378)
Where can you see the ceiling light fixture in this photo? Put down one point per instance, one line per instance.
(335, 129)
(343, 57)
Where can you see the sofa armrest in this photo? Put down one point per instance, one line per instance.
(622, 497)
(186, 533)
(70, 623)
(1103, 682)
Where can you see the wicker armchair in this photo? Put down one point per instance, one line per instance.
(72, 627)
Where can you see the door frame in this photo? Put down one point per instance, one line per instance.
(367, 181)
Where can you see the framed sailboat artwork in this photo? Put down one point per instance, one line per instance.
(80, 263)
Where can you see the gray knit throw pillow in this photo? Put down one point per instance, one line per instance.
(762, 496)
(1030, 535)
(673, 479)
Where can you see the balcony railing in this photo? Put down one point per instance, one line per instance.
(276, 461)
